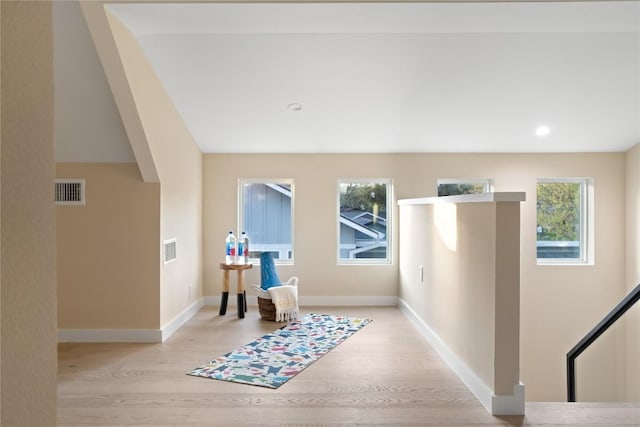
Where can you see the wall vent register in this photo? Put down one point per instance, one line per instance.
(69, 192)
(169, 250)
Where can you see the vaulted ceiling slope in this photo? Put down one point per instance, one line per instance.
(397, 77)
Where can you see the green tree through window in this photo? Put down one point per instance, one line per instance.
(365, 197)
(559, 211)
(561, 225)
(363, 221)
(458, 189)
(460, 186)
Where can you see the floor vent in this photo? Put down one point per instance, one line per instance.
(169, 250)
(70, 192)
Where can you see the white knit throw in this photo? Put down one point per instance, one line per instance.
(285, 299)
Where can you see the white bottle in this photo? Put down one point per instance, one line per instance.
(230, 248)
(243, 249)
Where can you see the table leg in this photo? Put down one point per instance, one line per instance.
(242, 301)
(225, 292)
(241, 305)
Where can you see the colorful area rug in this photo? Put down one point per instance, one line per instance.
(275, 358)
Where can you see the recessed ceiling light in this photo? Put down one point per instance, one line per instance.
(542, 130)
(294, 106)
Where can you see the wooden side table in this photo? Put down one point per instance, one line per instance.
(242, 293)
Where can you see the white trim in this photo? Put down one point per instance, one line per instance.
(502, 196)
(110, 335)
(215, 300)
(468, 377)
(509, 404)
(181, 319)
(131, 335)
(496, 405)
(328, 301)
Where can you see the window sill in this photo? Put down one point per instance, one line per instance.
(565, 263)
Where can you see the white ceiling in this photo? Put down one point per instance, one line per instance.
(398, 77)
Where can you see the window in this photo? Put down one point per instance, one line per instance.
(562, 220)
(266, 215)
(456, 187)
(364, 221)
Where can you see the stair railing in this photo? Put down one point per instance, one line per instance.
(588, 339)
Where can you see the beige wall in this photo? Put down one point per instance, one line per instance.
(632, 318)
(315, 229)
(27, 219)
(108, 274)
(559, 304)
(178, 162)
(459, 284)
(469, 296)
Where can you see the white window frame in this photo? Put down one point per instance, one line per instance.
(486, 182)
(241, 184)
(390, 205)
(587, 247)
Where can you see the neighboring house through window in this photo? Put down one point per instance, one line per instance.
(266, 215)
(456, 187)
(364, 221)
(563, 220)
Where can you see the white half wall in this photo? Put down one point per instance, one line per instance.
(467, 302)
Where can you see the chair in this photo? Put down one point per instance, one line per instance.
(268, 279)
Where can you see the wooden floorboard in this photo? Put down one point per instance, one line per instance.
(386, 375)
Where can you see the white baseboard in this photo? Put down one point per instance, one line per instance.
(232, 302)
(181, 318)
(131, 335)
(496, 405)
(110, 335)
(328, 301)
(336, 301)
(510, 404)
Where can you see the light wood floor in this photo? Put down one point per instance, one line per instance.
(386, 374)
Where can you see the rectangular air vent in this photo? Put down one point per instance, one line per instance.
(169, 250)
(70, 192)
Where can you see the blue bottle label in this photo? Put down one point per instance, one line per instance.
(230, 249)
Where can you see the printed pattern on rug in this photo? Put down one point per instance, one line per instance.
(275, 358)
